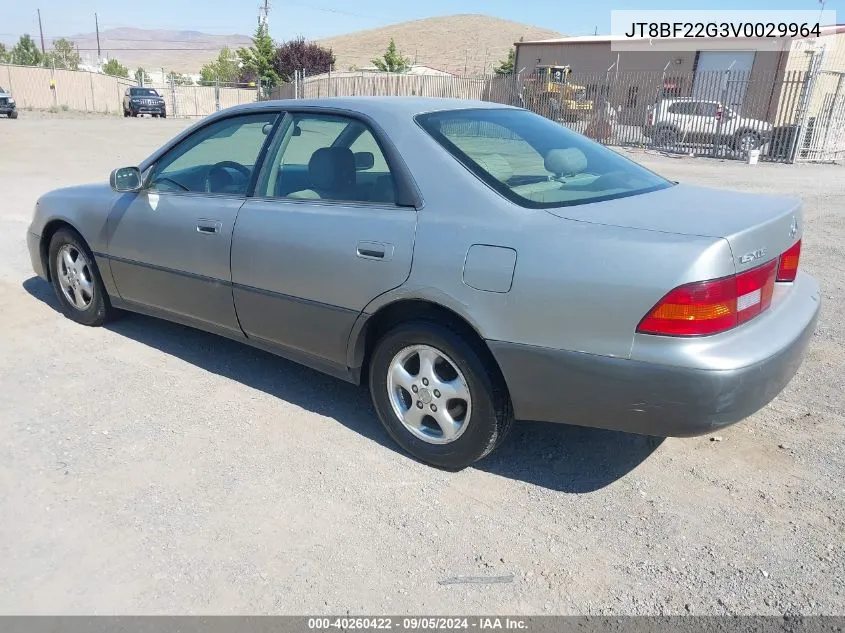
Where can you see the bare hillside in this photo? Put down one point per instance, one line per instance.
(455, 43)
(451, 42)
(182, 51)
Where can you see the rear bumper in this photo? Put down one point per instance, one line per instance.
(662, 399)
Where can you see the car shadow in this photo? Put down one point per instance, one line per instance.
(556, 456)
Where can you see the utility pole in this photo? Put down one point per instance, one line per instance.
(97, 26)
(41, 30)
(264, 15)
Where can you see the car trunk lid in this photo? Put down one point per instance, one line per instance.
(757, 227)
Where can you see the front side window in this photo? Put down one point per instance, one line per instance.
(219, 158)
(328, 157)
(535, 162)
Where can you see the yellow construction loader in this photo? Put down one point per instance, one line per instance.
(548, 92)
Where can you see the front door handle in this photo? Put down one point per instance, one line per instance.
(374, 250)
(208, 227)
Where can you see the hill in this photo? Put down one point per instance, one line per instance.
(182, 51)
(454, 43)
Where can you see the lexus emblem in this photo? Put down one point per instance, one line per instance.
(793, 228)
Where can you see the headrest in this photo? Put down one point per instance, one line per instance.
(497, 166)
(566, 162)
(332, 168)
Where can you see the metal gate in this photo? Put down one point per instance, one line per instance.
(823, 137)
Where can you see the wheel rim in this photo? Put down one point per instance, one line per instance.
(75, 277)
(748, 143)
(429, 394)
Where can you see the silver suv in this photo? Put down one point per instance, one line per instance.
(687, 121)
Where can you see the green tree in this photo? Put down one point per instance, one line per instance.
(180, 80)
(226, 68)
(63, 55)
(25, 52)
(392, 61)
(141, 76)
(115, 69)
(4, 54)
(506, 67)
(258, 59)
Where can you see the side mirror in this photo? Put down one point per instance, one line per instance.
(125, 179)
(364, 161)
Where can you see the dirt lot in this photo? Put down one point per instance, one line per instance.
(148, 468)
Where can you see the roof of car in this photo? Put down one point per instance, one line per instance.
(409, 106)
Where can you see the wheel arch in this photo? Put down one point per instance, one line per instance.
(47, 233)
(370, 328)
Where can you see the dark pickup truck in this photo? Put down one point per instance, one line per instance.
(143, 101)
(7, 104)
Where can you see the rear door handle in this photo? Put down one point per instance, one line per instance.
(208, 227)
(374, 250)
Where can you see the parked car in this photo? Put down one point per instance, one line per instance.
(143, 101)
(7, 104)
(678, 121)
(472, 263)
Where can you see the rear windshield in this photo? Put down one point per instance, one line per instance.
(534, 161)
(143, 92)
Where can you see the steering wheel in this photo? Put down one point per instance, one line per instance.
(221, 167)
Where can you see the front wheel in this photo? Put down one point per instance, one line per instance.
(76, 280)
(13, 115)
(436, 395)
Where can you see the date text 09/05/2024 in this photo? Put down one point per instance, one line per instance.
(415, 624)
(723, 29)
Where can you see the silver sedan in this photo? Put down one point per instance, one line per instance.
(472, 263)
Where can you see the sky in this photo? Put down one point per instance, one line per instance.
(322, 18)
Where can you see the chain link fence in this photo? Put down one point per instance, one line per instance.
(781, 116)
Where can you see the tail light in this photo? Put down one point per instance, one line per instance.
(710, 307)
(788, 266)
(718, 114)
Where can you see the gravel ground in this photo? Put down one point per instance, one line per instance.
(148, 468)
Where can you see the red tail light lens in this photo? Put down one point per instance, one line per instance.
(710, 307)
(788, 266)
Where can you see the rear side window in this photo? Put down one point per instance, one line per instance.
(535, 162)
(689, 107)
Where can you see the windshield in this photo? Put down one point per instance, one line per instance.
(535, 162)
(143, 92)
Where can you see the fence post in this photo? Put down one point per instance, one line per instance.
(91, 81)
(804, 102)
(217, 93)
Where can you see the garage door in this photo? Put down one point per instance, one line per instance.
(711, 78)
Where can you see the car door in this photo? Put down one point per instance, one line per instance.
(708, 116)
(169, 244)
(322, 237)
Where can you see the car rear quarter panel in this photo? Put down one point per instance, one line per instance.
(576, 286)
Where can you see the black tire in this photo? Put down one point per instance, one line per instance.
(125, 113)
(13, 115)
(666, 136)
(163, 115)
(755, 142)
(491, 414)
(99, 310)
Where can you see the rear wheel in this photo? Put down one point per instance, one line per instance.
(666, 136)
(76, 280)
(747, 141)
(436, 396)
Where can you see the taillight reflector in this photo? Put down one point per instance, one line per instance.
(710, 307)
(788, 267)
